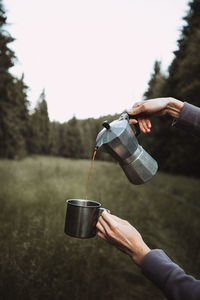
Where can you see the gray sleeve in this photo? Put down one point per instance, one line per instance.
(189, 119)
(169, 277)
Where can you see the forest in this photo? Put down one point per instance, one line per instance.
(26, 132)
(44, 163)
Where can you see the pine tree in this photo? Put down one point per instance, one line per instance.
(156, 140)
(174, 148)
(72, 143)
(156, 83)
(13, 99)
(184, 72)
(39, 127)
(184, 84)
(55, 138)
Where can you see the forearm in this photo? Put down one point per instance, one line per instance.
(174, 107)
(189, 119)
(169, 277)
(186, 115)
(139, 252)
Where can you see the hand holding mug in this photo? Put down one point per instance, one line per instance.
(122, 235)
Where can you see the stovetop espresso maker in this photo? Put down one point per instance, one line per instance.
(118, 139)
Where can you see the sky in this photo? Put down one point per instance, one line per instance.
(92, 57)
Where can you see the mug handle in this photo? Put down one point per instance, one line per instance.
(103, 209)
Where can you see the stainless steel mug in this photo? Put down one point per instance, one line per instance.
(81, 218)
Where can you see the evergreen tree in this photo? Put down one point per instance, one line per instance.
(62, 137)
(155, 142)
(13, 100)
(156, 83)
(72, 143)
(184, 72)
(174, 148)
(89, 129)
(55, 138)
(184, 84)
(39, 127)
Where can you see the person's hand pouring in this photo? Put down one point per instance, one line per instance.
(159, 106)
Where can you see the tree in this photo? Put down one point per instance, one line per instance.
(156, 140)
(184, 84)
(174, 148)
(13, 99)
(156, 83)
(72, 143)
(39, 127)
(184, 72)
(55, 138)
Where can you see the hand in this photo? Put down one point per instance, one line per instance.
(159, 106)
(122, 235)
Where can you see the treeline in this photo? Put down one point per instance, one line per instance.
(23, 132)
(76, 138)
(177, 149)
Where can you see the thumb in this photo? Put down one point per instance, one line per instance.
(135, 110)
(133, 121)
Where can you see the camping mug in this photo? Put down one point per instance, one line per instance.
(82, 217)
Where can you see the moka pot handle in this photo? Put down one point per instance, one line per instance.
(135, 126)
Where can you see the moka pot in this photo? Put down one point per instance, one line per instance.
(118, 139)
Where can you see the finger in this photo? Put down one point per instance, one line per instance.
(137, 108)
(148, 123)
(110, 225)
(106, 226)
(105, 209)
(119, 220)
(142, 128)
(101, 235)
(118, 246)
(108, 218)
(144, 124)
(133, 121)
(136, 104)
(100, 228)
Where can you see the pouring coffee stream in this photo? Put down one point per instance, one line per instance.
(90, 173)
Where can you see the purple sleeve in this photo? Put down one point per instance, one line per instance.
(169, 277)
(189, 118)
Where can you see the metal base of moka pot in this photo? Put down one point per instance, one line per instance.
(139, 167)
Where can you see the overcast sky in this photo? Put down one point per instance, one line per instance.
(93, 57)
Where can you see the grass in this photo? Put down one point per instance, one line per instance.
(38, 261)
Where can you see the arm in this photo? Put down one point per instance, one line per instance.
(169, 277)
(186, 115)
(189, 118)
(155, 264)
(144, 110)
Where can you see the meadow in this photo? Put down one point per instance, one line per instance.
(38, 261)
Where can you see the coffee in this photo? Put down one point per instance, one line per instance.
(90, 173)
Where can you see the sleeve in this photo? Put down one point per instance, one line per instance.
(169, 277)
(189, 119)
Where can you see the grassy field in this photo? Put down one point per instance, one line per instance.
(38, 261)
